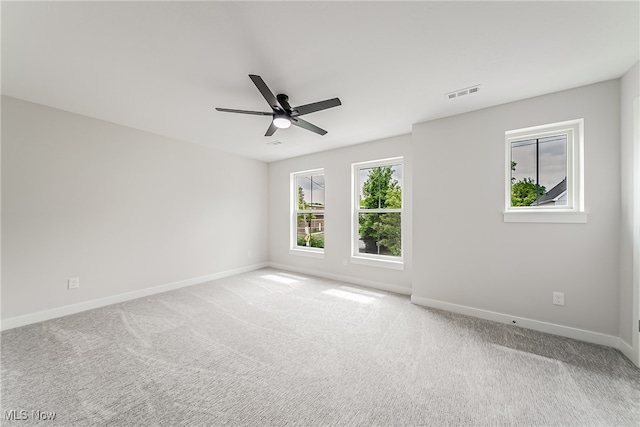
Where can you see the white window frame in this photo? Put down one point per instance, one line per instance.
(294, 249)
(574, 212)
(385, 261)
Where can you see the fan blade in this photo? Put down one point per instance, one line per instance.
(272, 129)
(264, 90)
(255, 113)
(308, 126)
(316, 106)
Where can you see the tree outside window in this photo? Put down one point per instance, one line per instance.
(379, 210)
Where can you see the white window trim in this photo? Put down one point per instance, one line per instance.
(374, 260)
(308, 252)
(575, 211)
(294, 249)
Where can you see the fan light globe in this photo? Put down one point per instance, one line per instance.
(281, 122)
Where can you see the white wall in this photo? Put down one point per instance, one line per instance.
(337, 168)
(119, 208)
(465, 254)
(126, 210)
(629, 91)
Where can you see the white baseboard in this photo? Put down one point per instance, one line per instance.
(348, 279)
(625, 348)
(536, 325)
(565, 331)
(40, 316)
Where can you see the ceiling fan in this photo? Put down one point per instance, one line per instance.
(283, 114)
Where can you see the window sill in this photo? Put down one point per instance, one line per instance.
(311, 253)
(549, 216)
(375, 262)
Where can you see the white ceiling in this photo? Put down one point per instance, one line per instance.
(163, 66)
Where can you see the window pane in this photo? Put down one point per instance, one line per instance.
(380, 233)
(552, 173)
(310, 230)
(539, 171)
(310, 192)
(380, 187)
(523, 173)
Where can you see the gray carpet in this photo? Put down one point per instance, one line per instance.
(276, 348)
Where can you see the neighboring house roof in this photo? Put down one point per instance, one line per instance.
(553, 194)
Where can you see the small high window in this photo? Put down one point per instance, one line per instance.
(544, 174)
(307, 220)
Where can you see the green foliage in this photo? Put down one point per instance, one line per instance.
(380, 190)
(302, 205)
(315, 240)
(525, 192)
(390, 236)
(381, 232)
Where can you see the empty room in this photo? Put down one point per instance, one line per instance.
(315, 213)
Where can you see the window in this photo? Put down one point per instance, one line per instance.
(544, 174)
(377, 213)
(307, 220)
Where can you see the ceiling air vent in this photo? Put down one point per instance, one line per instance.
(462, 92)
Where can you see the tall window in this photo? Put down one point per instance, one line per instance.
(544, 173)
(307, 221)
(377, 221)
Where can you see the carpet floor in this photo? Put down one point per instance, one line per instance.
(275, 348)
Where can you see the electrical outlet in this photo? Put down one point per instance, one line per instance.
(558, 298)
(74, 283)
(248, 254)
(345, 261)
